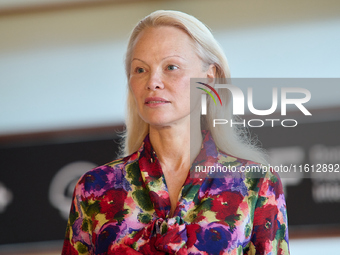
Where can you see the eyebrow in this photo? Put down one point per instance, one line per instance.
(161, 59)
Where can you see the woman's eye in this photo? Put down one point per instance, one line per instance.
(172, 67)
(139, 70)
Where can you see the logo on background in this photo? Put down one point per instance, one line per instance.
(6, 197)
(63, 183)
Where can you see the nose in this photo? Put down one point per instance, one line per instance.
(155, 81)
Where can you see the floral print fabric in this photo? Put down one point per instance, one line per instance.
(123, 207)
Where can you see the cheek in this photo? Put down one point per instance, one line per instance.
(135, 82)
(137, 85)
(135, 92)
(183, 93)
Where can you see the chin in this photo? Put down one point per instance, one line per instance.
(164, 120)
(159, 123)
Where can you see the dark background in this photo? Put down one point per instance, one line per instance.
(28, 171)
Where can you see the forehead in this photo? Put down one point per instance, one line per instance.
(162, 39)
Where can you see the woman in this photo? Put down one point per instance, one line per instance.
(147, 202)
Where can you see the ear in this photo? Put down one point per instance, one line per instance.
(211, 73)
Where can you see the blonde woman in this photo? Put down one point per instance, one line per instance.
(147, 202)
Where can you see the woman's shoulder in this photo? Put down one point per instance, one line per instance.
(117, 164)
(107, 176)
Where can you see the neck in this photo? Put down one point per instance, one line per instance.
(173, 148)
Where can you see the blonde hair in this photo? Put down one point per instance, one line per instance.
(231, 140)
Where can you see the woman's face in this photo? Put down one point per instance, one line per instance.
(163, 61)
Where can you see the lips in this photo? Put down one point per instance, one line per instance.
(156, 100)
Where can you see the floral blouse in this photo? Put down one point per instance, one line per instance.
(123, 207)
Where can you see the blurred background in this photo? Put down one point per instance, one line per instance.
(62, 103)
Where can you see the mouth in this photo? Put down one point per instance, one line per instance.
(155, 100)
